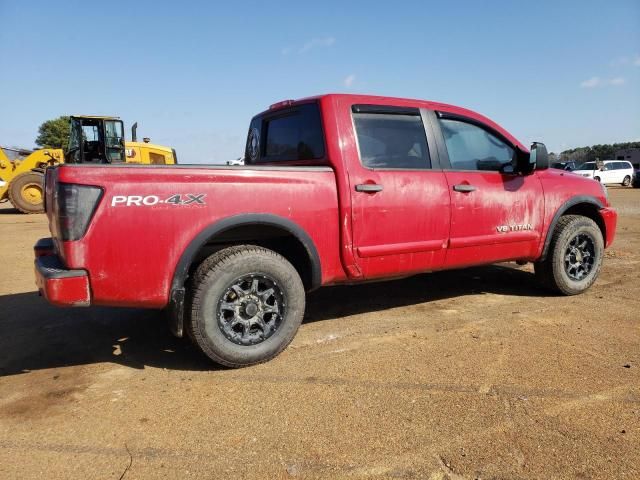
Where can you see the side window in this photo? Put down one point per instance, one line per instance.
(473, 148)
(390, 140)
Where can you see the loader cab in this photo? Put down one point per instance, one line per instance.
(96, 140)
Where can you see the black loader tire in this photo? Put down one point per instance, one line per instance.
(553, 272)
(210, 287)
(27, 182)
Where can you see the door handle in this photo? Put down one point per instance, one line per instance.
(464, 188)
(369, 188)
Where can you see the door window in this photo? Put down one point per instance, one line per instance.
(114, 140)
(473, 148)
(390, 140)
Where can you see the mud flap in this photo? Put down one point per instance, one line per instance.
(176, 312)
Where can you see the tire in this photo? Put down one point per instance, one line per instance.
(597, 179)
(560, 270)
(627, 181)
(229, 296)
(26, 192)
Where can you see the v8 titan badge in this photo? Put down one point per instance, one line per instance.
(149, 200)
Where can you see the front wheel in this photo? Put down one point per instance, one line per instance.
(574, 258)
(246, 305)
(627, 181)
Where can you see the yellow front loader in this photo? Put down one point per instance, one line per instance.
(101, 140)
(92, 139)
(21, 177)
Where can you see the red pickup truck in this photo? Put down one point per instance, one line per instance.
(336, 189)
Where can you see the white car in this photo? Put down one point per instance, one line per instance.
(613, 171)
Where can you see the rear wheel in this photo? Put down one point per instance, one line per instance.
(574, 258)
(26, 192)
(246, 305)
(627, 181)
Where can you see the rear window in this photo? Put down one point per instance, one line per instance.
(289, 135)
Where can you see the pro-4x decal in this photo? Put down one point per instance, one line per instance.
(149, 200)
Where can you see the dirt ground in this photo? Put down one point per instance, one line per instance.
(468, 374)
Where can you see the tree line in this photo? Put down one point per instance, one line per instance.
(586, 154)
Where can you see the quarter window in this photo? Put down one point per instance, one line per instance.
(390, 140)
(473, 148)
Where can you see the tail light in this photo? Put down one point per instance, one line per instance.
(74, 207)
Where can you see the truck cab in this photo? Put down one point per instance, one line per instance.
(95, 139)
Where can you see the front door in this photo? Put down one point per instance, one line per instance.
(400, 202)
(114, 141)
(496, 215)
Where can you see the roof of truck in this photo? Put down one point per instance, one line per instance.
(403, 102)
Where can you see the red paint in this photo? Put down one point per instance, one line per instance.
(610, 218)
(416, 223)
(499, 200)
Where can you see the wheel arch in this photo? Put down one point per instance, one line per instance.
(586, 206)
(239, 223)
(293, 243)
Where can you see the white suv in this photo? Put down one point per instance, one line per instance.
(613, 171)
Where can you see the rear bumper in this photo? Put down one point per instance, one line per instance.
(60, 286)
(610, 218)
(44, 247)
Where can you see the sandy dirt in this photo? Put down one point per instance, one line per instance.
(469, 374)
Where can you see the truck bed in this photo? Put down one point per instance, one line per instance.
(132, 258)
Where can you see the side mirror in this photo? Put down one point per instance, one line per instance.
(538, 156)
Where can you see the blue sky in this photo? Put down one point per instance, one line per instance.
(193, 73)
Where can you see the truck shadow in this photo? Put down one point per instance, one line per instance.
(35, 335)
(331, 302)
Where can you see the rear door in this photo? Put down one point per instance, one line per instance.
(400, 198)
(496, 214)
(621, 171)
